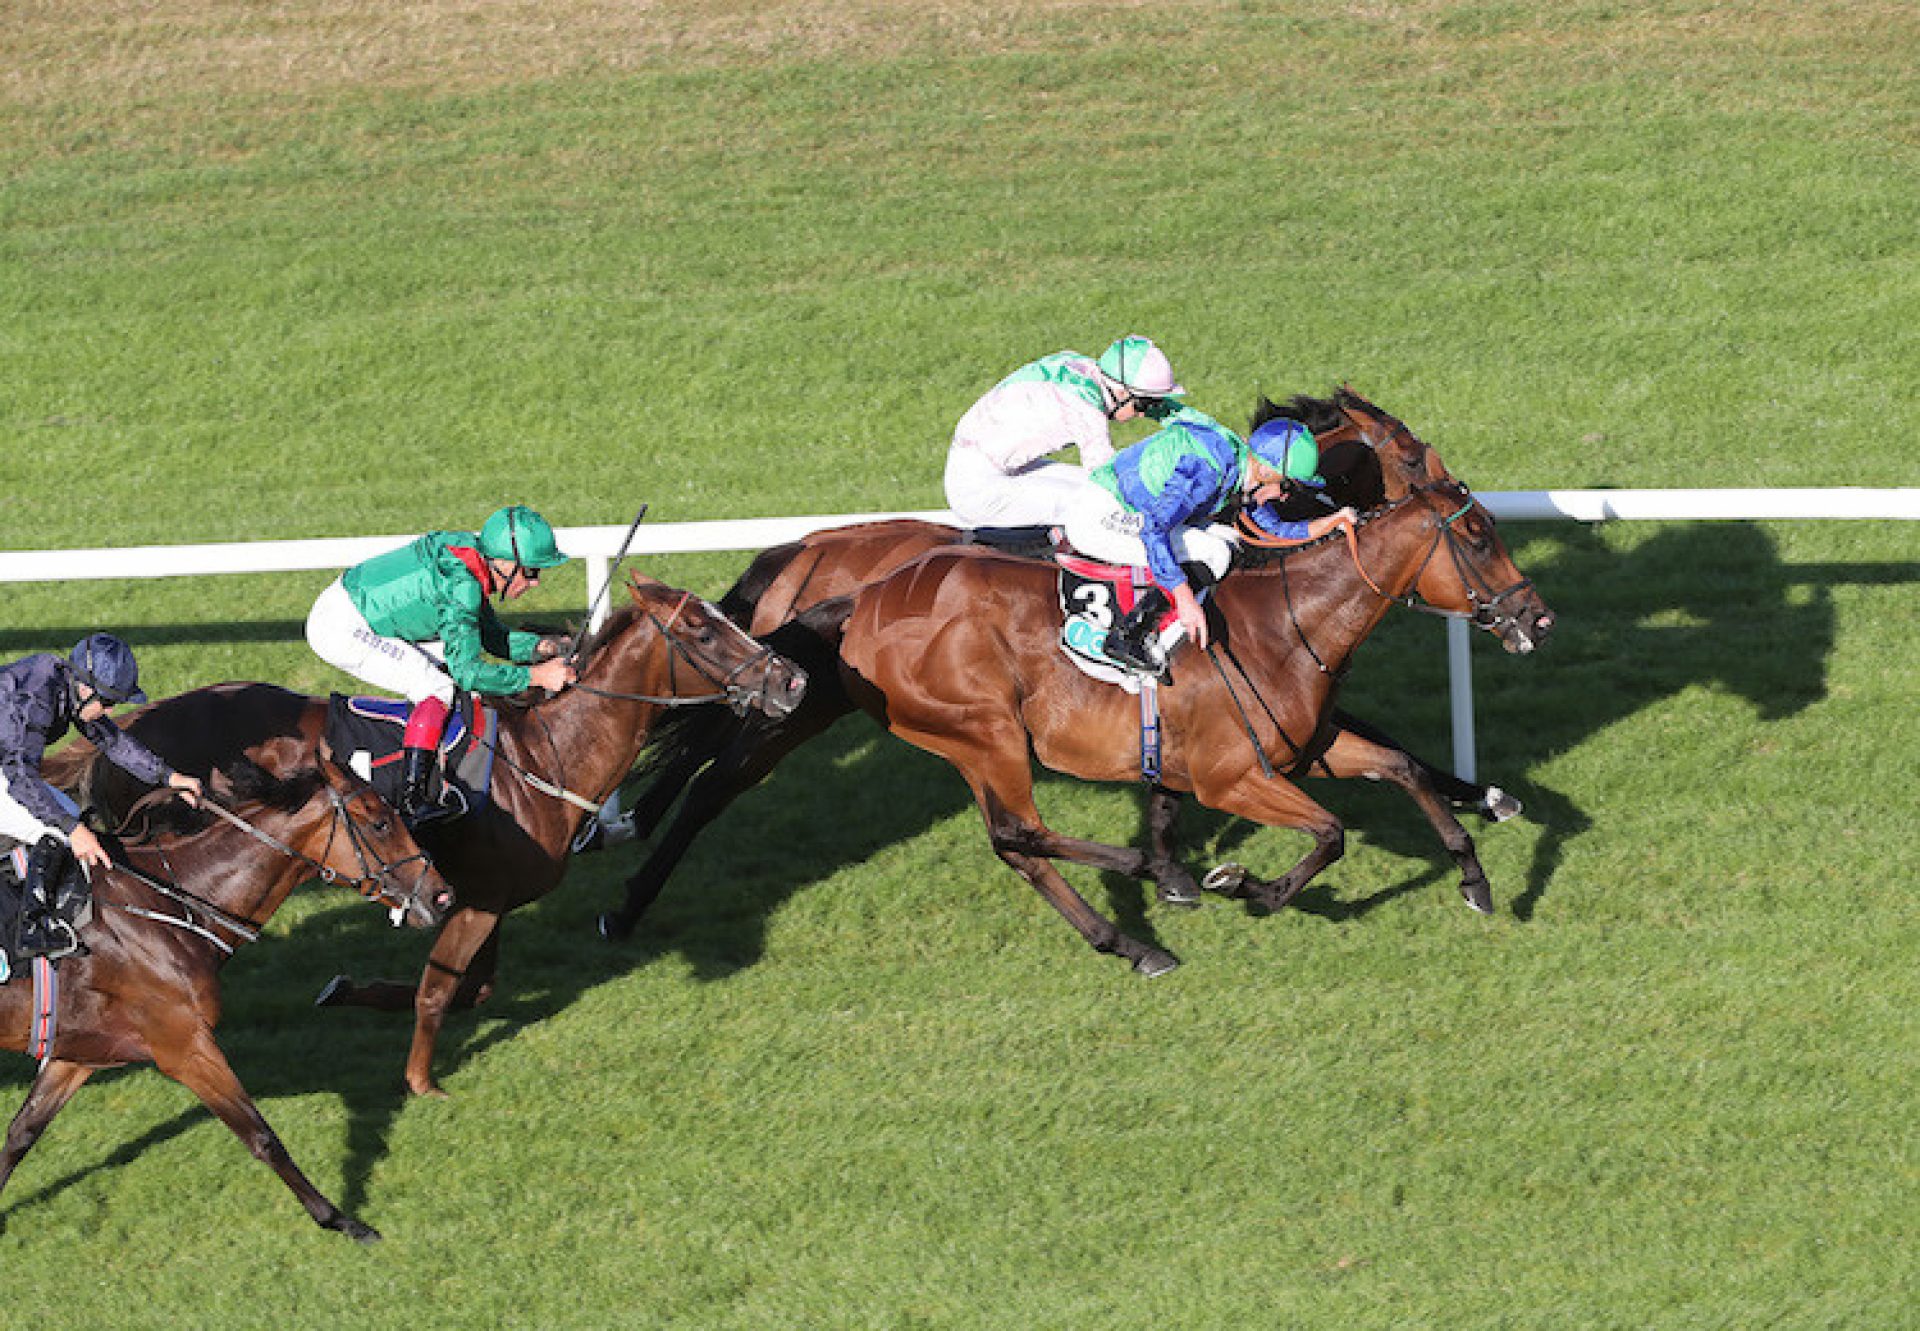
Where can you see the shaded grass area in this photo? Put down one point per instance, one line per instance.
(324, 269)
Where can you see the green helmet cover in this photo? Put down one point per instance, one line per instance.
(519, 534)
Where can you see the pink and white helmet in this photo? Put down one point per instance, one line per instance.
(1140, 367)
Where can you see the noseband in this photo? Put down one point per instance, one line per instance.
(380, 883)
(731, 690)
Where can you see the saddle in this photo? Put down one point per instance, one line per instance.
(364, 734)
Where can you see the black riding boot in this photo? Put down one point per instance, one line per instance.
(415, 773)
(43, 933)
(1132, 642)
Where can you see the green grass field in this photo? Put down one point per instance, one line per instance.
(339, 268)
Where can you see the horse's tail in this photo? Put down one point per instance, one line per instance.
(743, 598)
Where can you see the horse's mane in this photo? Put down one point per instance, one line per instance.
(246, 781)
(1250, 556)
(1318, 414)
(616, 623)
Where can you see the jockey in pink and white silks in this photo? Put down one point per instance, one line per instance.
(378, 621)
(997, 472)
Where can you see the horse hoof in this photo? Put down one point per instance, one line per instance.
(337, 989)
(1226, 878)
(1154, 963)
(1185, 895)
(1478, 895)
(358, 1232)
(1499, 805)
(613, 928)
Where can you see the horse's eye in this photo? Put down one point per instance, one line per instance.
(380, 825)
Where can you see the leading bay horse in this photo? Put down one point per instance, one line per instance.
(957, 653)
(1367, 455)
(557, 761)
(181, 897)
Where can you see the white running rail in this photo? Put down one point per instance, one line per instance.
(598, 545)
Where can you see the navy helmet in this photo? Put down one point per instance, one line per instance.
(105, 663)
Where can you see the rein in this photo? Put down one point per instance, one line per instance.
(369, 885)
(736, 697)
(739, 698)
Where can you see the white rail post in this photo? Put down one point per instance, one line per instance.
(1460, 689)
(599, 570)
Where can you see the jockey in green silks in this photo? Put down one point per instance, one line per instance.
(1155, 504)
(378, 619)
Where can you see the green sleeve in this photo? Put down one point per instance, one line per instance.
(465, 618)
(499, 640)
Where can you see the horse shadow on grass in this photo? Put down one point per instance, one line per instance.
(1698, 605)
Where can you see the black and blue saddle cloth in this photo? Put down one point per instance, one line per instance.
(364, 734)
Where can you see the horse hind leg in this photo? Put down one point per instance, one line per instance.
(52, 1087)
(1175, 886)
(200, 1066)
(1029, 847)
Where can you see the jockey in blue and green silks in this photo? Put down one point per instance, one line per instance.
(372, 623)
(1154, 504)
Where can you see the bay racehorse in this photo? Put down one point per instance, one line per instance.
(1367, 455)
(557, 761)
(183, 894)
(957, 653)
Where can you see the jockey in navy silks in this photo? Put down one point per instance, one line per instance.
(41, 696)
(378, 619)
(1155, 504)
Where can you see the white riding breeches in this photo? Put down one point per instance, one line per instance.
(1101, 527)
(981, 495)
(340, 636)
(22, 826)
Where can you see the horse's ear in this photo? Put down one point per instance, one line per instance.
(639, 583)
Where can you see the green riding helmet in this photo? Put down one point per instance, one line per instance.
(519, 534)
(1290, 449)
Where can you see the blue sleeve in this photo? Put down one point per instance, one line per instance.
(126, 752)
(1278, 527)
(1192, 490)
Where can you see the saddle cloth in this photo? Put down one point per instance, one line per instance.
(1093, 596)
(70, 901)
(364, 734)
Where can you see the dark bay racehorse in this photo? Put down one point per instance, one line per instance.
(957, 653)
(557, 761)
(184, 894)
(1367, 456)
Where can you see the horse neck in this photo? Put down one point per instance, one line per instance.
(231, 870)
(581, 740)
(1323, 585)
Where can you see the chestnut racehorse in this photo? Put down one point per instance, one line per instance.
(1367, 456)
(180, 898)
(957, 653)
(556, 762)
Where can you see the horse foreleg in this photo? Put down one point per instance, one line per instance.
(1176, 886)
(198, 1064)
(751, 753)
(1378, 758)
(450, 970)
(1276, 802)
(52, 1087)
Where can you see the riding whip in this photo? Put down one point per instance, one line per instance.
(573, 656)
